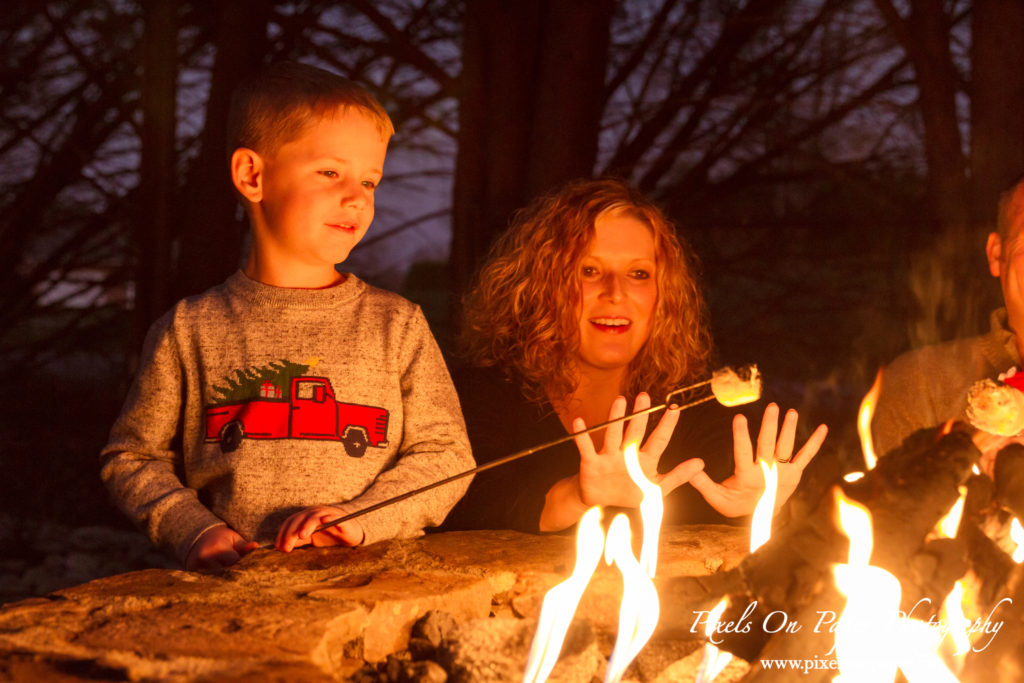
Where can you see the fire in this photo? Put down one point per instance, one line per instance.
(761, 524)
(953, 616)
(864, 415)
(714, 659)
(872, 639)
(639, 609)
(949, 524)
(1017, 534)
(652, 510)
(560, 603)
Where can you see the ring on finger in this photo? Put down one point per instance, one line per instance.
(783, 460)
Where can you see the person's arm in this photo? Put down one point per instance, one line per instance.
(434, 445)
(138, 463)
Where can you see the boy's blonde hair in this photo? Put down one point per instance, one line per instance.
(273, 106)
(522, 313)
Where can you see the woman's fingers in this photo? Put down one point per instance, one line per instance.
(637, 427)
(743, 450)
(680, 474)
(810, 448)
(583, 442)
(662, 434)
(766, 437)
(787, 438)
(613, 433)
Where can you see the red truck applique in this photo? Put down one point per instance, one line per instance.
(311, 412)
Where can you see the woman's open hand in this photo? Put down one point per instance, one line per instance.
(738, 495)
(603, 478)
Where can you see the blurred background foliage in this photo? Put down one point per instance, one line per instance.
(835, 164)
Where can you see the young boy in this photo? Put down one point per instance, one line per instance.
(291, 394)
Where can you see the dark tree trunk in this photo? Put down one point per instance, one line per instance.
(530, 104)
(997, 99)
(211, 234)
(157, 177)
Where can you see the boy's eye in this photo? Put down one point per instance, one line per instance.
(329, 174)
(369, 184)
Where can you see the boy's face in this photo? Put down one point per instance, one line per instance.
(316, 199)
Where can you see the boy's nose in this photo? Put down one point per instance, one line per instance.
(354, 194)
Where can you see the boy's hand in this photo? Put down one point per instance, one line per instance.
(298, 529)
(217, 548)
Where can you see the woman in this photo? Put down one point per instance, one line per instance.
(589, 298)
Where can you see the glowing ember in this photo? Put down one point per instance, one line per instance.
(761, 525)
(864, 415)
(714, 660)
(736, 387)
(951, 522)
(561, 601)
(1017, 534)
(639, 610)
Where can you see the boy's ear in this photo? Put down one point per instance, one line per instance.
(994, 253)
(247, 173)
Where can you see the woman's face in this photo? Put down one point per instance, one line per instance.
(619, 290)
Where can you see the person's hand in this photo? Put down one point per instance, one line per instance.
(298, 530)
(990, 445)
(603, 479)
(738, 495)
(216, 548)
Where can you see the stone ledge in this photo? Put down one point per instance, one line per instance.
(314, 614)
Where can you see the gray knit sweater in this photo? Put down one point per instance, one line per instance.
(927, 387)
(254, 402)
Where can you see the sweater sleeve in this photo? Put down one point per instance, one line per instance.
(142, 458)
(434, 445)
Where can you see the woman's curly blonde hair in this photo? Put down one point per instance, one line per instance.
(521, 313)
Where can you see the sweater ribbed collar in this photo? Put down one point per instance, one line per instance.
(260, 294)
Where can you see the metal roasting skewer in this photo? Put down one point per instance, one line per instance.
(678, 393)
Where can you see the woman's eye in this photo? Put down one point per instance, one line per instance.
(588, 271)
(641, 274)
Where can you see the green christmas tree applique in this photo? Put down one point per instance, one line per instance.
(273, 380)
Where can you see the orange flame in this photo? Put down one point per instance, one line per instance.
(953, 616)
(761, 524)
(1017, 534)
(714, 660)
(949, 524)
(652, 510)
(560, 603)
(864, 415)
(872, 639)
(639, 609)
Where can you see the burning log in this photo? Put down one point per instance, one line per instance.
(786, 587)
